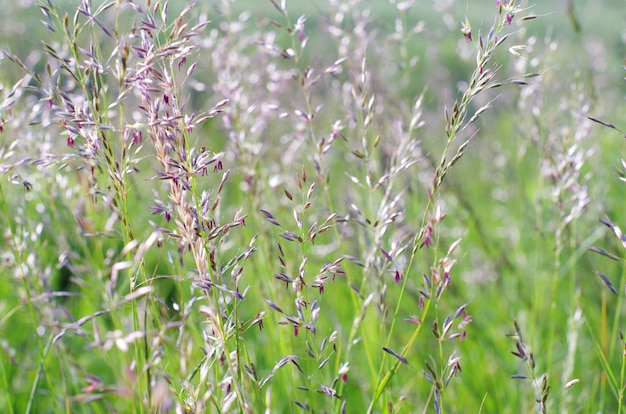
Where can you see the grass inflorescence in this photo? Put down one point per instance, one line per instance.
(249, 208)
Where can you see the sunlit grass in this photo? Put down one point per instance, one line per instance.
(375, 208)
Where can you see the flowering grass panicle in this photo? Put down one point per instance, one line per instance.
(280, 206)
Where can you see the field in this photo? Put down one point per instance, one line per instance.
(339, 206)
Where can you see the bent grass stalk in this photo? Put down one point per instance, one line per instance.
(298, 44)
(482, 79)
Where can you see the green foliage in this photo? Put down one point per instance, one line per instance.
(376, 207)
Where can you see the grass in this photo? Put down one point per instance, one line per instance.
(367, 209)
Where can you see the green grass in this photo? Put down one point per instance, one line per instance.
(382, 255)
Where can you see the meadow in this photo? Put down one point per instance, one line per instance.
(340, 206)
